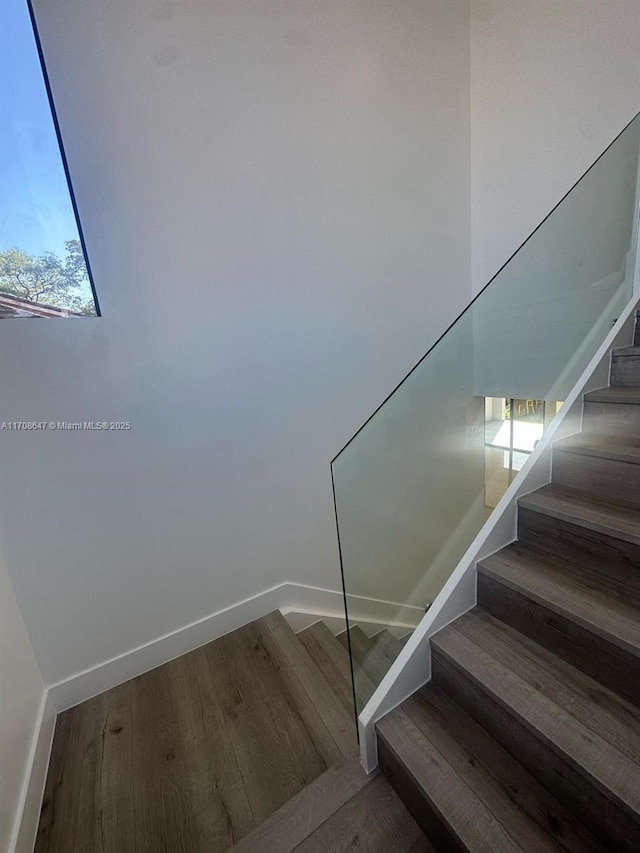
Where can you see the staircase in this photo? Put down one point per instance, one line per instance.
(527, 737)
(246, 744)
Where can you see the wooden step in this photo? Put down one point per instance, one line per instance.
(585, 620)
(332, 659)
(388, 646)
(465, 790)
(312, 691)
(625, 351)
(195, 754)
(581, 528)
(369, 656)
(319, 642)
(612, 411)
(613, 447)
(601, 465)
(579, 739)
(355, 635)
(625, 366)
(297, 819)
(619, 396)
(372, 821)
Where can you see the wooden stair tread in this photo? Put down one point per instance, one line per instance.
(356, 632)
(298, 818)
(624, 395)
(312, 692)
(370, 658)
(336, 672)
(555, 701)
(564, 588)
(488, 788)
(602, 446)
(625, 352)
(610, 716)
(480, 796)
(388, 645)
(374, 819)
(333, 660)
(331, 645)
(422, 845)
(611, 518)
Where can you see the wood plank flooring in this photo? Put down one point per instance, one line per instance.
(242, 744)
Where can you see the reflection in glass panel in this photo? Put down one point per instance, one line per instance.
(512, 428)
(43, 271)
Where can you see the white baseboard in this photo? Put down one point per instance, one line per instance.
(370, 614)
(309, 603)
(35, 778)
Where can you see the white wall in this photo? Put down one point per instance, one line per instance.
(543, 317)
(275, 201)
(21, 698)
(553, 82)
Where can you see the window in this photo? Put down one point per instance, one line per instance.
(512, 428)
(43, 267)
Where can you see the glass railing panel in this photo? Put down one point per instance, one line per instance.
(417, 482)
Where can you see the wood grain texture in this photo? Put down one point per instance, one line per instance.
(331, 657)
(422, 845)
(483, 781)
(616, 419)
(435, 824)
(452, 815)
(313, 696)
(616, 519)
(597, 782)
(341, 685)
(614, 396)
(604, 446)
(308, 810)
(607, 478)
(598, 601)
(387, 645)
(591, 550)
(371, 658)
(373, 821)
(527, 809)
(625, 368)
(194, 754)
(597, 650)
(330, 644)
(614, 720)
(199, 690)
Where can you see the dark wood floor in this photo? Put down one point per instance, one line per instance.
(241, 739)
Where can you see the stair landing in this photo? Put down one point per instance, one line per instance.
(245, 744)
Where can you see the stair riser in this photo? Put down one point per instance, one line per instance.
(419, 807)
(594, 551)
(597, 811)
(617, 669)
(608, 478)
(611, 419)
(625, 371)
